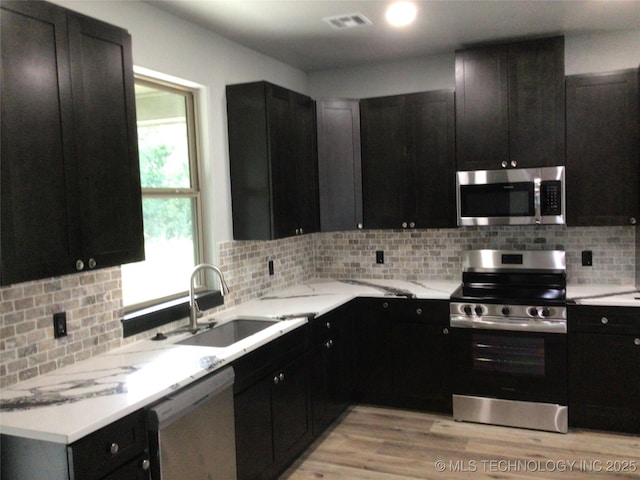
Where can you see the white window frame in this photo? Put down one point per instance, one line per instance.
(194, 192)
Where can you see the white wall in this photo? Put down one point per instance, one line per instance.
(583, 54)
(167, 44)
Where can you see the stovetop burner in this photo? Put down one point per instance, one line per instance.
(511, 286)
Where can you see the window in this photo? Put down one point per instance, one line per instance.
(170, 194)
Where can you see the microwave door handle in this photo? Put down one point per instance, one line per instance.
(536, 199)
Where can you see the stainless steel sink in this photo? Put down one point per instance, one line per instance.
(228, 333)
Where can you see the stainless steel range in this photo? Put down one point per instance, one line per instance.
(508, 323)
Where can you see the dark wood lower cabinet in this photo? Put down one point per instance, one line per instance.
(400, 353)
(118, 451)
(329, 367)
(272, 417)
(604, 372)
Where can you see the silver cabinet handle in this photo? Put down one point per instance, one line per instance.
(604, 320)
(504, 164)
(301, 231)
(445, 331)
(79, 265)
(276, 380)
(281, 377)
(360, 226)
(633, 220)
(404, 224)
(385, 305)
(637, 341)
(514, 163)
(412, 224)
(114, 448)
(145, 464)
(419, 311)
(328, 325)
(92, 263)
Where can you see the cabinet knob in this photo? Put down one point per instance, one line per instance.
(504, 164)
(636, 341)
(633, 220)
(604, 320)
(281, 377)
(385, 305)
(514, 163)
(328, 325)
(276, 380)
(328, 344)
(114, 448)
(360, 226)
(79, 265)
(404, 224)
(301, 231)
(419, 311)
(145, 464)
(92, 263)
(297, 231)
(412, 224)
(445, 331)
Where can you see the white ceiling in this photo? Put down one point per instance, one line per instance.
(293, 31)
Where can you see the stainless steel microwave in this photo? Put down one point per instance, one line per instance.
(518, 196)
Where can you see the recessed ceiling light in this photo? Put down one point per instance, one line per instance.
(400, 14)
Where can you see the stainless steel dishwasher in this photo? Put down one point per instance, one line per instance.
(192, 433)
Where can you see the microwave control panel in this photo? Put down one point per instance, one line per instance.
(551, 197)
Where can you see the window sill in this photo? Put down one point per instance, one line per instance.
(152, 317)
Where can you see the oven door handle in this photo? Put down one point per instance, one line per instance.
(537, 325)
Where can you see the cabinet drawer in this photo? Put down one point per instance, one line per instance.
(613, 320)
(101, 452)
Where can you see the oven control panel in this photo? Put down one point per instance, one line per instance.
(534, 318)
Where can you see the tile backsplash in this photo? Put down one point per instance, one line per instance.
(93, 301)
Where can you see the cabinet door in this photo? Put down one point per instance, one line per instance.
(305, 184)
(385, 168)
(281, 147)
(431, 151)
(106, 142)
(254, 442)
(604, 381)
(603, 171)
(339, 165)
(421, 376)
(371, 368)
(291, 424)
(537, 103)
(39, 227)
(482, 108)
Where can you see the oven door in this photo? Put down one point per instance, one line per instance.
(511, 365)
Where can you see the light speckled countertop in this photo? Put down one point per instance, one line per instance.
(67, 404)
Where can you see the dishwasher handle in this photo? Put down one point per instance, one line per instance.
(176, 406)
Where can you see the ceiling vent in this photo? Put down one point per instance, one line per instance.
(349, 20)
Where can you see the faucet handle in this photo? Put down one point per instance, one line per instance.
(196, 307)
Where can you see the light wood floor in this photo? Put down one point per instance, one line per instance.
(371, 443)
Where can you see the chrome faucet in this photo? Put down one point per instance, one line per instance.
(194, 310)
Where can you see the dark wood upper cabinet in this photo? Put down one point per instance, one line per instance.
(339, 164)
(69, 174)
(273, 162)
(603, 149)
(510, 105)
(408, 160)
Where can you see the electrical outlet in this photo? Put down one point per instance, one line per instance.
(379, 256)
(271, 270)
(587, 258)
(60, 324)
